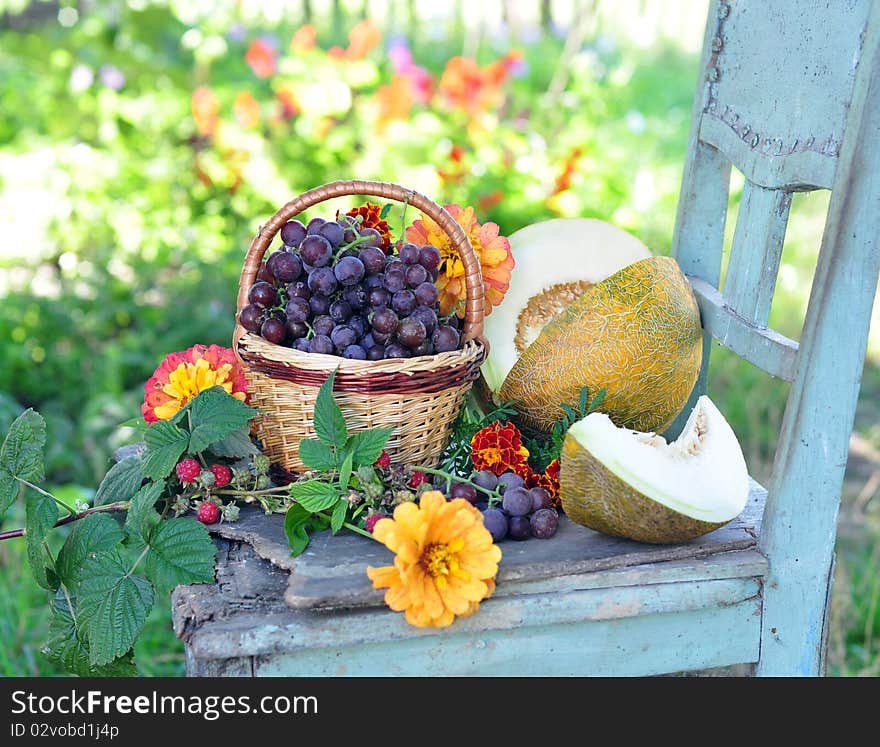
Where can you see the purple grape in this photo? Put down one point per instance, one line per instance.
(510, 480)
(382, 338)
(375, 353)
(296, 330)
(333, 232)
(293, 232)
(434, 274)
(355, 296)
(427, 294)
(411, 332)
(518, 527)
(322, 344)
(409, 254)
(323, 325)
(350, 226)
(429, 257)
(319, 304)
(323, 281)
(314, 226)
(394, 264)
(265, 274)
(463, 490)
(297, 309)
(373, 281)
(517, 501)
(403, 302)
(355, 352)
(340, 311)
(415, 275)
(251, 317)
(384, 321)
(285, 266)
(347, 253)
(316, 251)
(485, 479)
(342, 336)
(367, 340)
(358, 324)
(302, 344)
(262, 294)
(373, 259)
(496, 522)
(445, 338)
(394, 281)
(540, 499)
(544, 523)
(426, 348)
(426, 316)
(378, 298)
(349, 270)
(299, 289)
(396, 351)
(374, 237)
(273, 330)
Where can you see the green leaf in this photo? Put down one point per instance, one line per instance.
(583, 400)
(236, 445)
(337, 518)
(165, 445)
(366, 446)
(597, 400)
(139, 424)
(386, 208)
(9, 490)
(570, 415)
(345, 472)
(93, 534)
(142, 515)
(41, 513)
(121, 481)
(316, 455)
(314, 495)
(112, 605)
(329, 422)
(181, 552)
(298, 523)
(214, 415)
(22, 451)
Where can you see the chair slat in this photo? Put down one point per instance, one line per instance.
(756, 251)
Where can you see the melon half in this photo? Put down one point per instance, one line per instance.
(636, 485)
(557, 261)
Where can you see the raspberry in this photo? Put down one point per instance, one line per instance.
(417, 479)
(372, 520)
(384, 460)
(222, 475)
(208, 513)
(188, 470)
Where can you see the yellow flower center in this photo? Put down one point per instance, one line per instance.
(491, 455)
(188, 380)
(440, 561)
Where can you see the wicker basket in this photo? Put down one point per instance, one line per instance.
(419, 397)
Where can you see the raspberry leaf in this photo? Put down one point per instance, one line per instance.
(236, 445)
(314, 495)
(337, 518)
(22, 451)
(298, 524)
(121, 481)
(142, 515)
(316, 455)
(330, 425)
(9, 489)
(214, 415)
(345, 471)
(165, 445)
(41, 513)
(181, 552)
(366, 446)
(94, 534)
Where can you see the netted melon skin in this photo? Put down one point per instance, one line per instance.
(636, 334)
(593, 496)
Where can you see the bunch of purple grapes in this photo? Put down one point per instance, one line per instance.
(331, 289)
(523, 513)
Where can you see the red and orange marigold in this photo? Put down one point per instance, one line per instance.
(182, 376)
(498, 448)
(370, 215)
(549, 480)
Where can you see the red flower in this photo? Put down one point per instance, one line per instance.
(262, 58)
(549, 480)
(370, 218)
(499, 448)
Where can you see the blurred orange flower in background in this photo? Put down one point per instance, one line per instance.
(247, 110)
(304, 39)
(363, 39)
(262, 58)
(395, 101)
(205, 110)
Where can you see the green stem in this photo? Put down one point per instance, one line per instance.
(494, 495)
(243, 493)
(358, 530)
(139, 559)
(66, 506)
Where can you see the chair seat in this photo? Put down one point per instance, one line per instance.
(581, 603)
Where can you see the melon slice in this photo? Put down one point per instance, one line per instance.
(557, 261)
(636, 485)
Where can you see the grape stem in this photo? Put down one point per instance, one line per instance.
(494, 495)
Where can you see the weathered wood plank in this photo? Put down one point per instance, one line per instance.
(756, 251)
(799, 531)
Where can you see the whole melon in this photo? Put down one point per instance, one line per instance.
(636, 334)
(557, 261)
(638, 486)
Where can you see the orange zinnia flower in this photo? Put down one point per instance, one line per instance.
(445, 561)
(499, 449)
(493, 251)
(182, 376)
(304, 39)
(262, 58)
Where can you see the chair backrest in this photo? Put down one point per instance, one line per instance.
(789, 93)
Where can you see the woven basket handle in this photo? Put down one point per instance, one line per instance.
(473, 314)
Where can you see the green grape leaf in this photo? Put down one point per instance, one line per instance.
(22, 451)
(215, 415)
(345, 472)
(93, 534)
(337, 518)
(41, 513)
(366, 446)
(142, 515)
(9, 490)
(236, 445)
(181, 552)
(314, 495)
(122, 481)
(298, 524)
(330, 425)
(165, 445)
(316, 455)
(112, 606)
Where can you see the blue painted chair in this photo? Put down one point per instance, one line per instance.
(789, 93)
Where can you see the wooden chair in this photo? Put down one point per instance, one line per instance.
(790, 94)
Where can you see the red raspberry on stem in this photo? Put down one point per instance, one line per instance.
(222, 475)
(417, 479)
(384, 460)
(188, 470)
(372, 520)
(208, 513)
